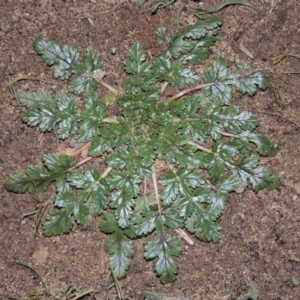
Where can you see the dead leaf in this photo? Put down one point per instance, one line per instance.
(40, 255)
(246, 51)
(293, 256)
(76, 149)
(98, 76)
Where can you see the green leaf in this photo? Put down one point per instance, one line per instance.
(94, 189)
(247, 85)
(162, 37)
(58, 164)
(136, 64)
(122, 249)
(235, 122)
(92, 61)
(210, 230)
(169, 148)
(147, 222)
(125, 180)
(264, 145)
(100, 145)
(58, 222)
(260, 177)
(33, 99)
(232, 2)
(91, 65)
(52, 53)
(91, 118)
(82, 214)
(197, 55)
(35, 179)
(118, 245)
(122, 202)
(174, 73)
(158, 5)
(202, 201)
(218, 74)
(180, 45)
(143, 202)
(45, 116)
(75, 206)
(109, 224)
(180, 184)
(141, 2)
(171, 218)
(68, 114)
(228, 184)
(164, 246)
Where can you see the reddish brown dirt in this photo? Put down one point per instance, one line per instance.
(261, 232)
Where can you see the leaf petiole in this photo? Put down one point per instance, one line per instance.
(155, 184)
(190, 90)
(200, 147)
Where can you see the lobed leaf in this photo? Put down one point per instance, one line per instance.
(94, 188)
(35, 179)
(87, 72)
(181, 45)
(265, 147)
(122, 202)
(164, 246)
(162, 37)
(208, 230)
(260, 177)
(136, 64)
(58, 164)
(52, 53)
(33, 99)
(58, 221)
(45, 116)
(91, 118)
(180, 184)
(117, 245)
(174, 73)
(248, 85)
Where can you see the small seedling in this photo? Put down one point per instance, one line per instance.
(291, 280)
(252, 293)
(169, 162)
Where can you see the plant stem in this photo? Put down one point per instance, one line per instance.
(106, 172)
(293, 55)
(154, 178)
(109, 87)
(82, 162)
(201, 147)
(190, 90)
(229, 134)
(111, 120)
(31, 78)
(29, 267)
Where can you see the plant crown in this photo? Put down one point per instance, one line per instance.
(170, 162)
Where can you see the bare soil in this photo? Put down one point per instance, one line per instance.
(261, 232)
